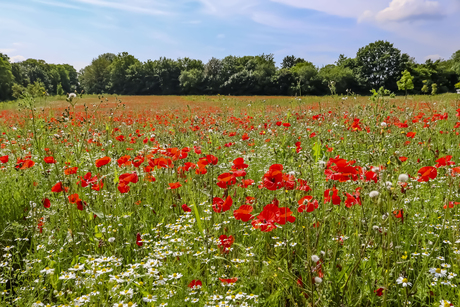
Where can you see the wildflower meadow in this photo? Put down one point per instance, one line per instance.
(230, 201)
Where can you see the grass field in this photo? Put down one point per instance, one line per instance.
(230, 201)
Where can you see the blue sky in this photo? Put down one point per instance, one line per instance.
(76, 31)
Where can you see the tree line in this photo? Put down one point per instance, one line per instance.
(376, 65)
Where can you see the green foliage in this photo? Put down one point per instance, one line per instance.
(36, 89)
(18, 91)
(375, 65)
(95, 78)
(434, 89)
(405, 83)
(457, 85)
(6, 78)
(379, 64)
(339, 78)
(60, 90)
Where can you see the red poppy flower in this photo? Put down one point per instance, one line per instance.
(444, 161)
(195, 284)
(212, 159)
(71, 170)
(306, 205)
(243, 213)
(225, 180)
(379, 292)
(139, 240)
(426, 173)
(238, 163)
(273, 179)
(399, 214)
(137, 161)
(123, 187)
(219, 205)
(4, 159)
(411, 135)
(87, 180)
(58, 187)
(225, 243)
(451, 204)
(246, 182)
(284, 216)
(46, 203)
(129, 177)
(334, 197)
(174, 185)
(103, 161)
(97, 187)
(81, 204)
(120, 138)
(124, 161)
(267, 218)
(455, 170)
(186, 208)
(73, 198)
(24, 164)
(402, 159)
(228, 280)
(303, 185)
(49, 160)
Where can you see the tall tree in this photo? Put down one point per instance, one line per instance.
(290, 61)
(6, 77)
(379, 64)
(95, 77)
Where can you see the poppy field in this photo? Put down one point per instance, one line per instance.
(230, 201)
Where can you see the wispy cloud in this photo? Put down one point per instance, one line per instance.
(127, 6)
(59, 4)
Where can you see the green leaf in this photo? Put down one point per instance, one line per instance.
(198, 220)
(317, 151)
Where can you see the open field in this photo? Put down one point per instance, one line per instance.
(230, 201)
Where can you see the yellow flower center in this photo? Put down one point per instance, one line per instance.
(404, 280)
(438, 270)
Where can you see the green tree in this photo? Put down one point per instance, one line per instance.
(306, 78)
(6, 77)
(405, 83)
(95, 77)
(455, 62)
(379, 64)
(118, 74)
(425, 89)
(212, 76)
(290, 61)
(434, 89)
(337, 78)
(191, 80)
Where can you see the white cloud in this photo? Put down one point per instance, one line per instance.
(6, 50)
(17, 58)
(433, 57)
(408, 10)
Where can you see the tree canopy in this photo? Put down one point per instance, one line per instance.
(379, 64)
